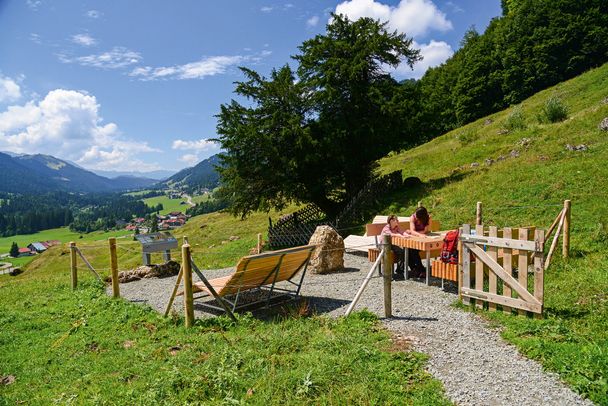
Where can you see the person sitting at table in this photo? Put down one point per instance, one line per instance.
(420, 226)
(392, 228)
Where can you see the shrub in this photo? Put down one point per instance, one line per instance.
(516, 120)
(467, 136)
(554, 110)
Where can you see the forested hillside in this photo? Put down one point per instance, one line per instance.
(315, 132)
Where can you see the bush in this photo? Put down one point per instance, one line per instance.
(516, 120)
(555, 110)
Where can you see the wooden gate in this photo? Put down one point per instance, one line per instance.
(495, 268)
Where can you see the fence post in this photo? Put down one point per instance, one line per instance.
(479, 217)
(419, 203)
(566, 241)
(114, 268)
(188, 299)
(73, 266)
(259, 246)
(388, 275)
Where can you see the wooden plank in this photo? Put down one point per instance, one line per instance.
(507, 264)
(478, 268)
(522, 264)
(557, 219)
(465, 264)
(495, 267)
(500, 242)
(539, 270)
(359, 243)
(492, 253)
(554, 243)
(502, 300)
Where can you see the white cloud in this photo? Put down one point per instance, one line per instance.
(210, 66)
(34, 4)
(412, 17)
(66, 124)
(199, 145)
(455, 7)
(35, 38)
(190, 159)
(198, 150)
(312, 21)
(266, 9)
(94, 14)
(434, 53)
(9, 90)
(118, 57)
(84, 40)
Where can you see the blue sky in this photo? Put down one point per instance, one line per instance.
(134, 85)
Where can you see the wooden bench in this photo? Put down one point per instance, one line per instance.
(440, 269)
(256, 272)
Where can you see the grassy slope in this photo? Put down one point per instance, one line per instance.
(62, 234)
(528, 190)
(83, 347)
(170, 205)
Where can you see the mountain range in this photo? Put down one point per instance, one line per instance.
(45, 173)
(202, 175)
(21, 173)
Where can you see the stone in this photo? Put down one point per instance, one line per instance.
(489, 161)
(233, 238)
(524, 142)
(474, 164)
(488, 121)
(514, 154)
(15, 272)
(328, 256)
(604, 124)
(412, 182)
(152, 271)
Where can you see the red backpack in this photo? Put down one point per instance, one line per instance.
(449, 251)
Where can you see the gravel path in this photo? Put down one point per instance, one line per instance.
(476, 366)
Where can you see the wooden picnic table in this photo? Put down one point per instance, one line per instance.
(431, 242)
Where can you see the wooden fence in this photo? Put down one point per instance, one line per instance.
(503, 268)
(296, 228)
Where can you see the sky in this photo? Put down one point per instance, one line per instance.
(135, 85)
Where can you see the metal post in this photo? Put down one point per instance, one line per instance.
(73, 266)
(388, 275)
(114, 268)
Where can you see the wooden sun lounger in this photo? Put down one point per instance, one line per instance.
(256, 272)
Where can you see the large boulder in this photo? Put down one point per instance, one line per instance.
(329, 255)
(153, 271)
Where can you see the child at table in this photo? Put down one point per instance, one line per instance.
(420, 226)
(392, 228)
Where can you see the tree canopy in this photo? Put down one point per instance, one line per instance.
(314, 135)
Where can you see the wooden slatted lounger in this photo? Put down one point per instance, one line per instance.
(256, 272)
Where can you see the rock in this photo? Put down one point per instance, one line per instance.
(581, 147)
(503, 131)
(233, 238)
(488, 121)
(501, 158)
(15, 271)
(604, 124)
(329, 255)
(412, 182)
(474, 164)
(7, 380)
(514, 154)
(489, 161)
(152, 271)
(524, 142)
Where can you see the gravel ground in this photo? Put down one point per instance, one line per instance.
(476, 366)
